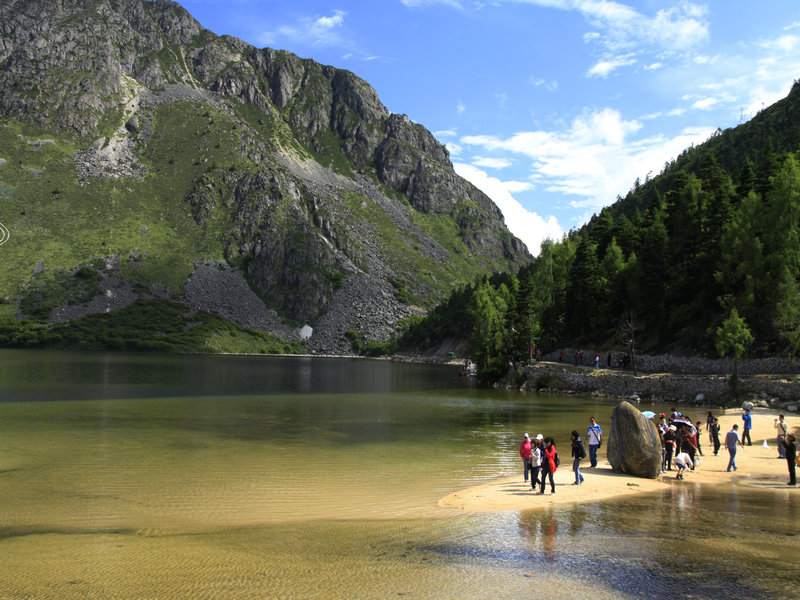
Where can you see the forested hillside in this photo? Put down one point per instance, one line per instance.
(715, 235)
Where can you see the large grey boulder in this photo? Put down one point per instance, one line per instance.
(634, 447)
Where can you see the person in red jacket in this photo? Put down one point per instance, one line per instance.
(525, 453)
(548, 464)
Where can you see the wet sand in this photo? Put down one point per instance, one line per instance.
(757, 466)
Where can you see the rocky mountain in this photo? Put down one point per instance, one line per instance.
(143, 156)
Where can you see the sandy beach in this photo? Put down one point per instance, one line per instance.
(758, 466)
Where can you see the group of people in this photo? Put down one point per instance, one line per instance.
(540, 459)
(680, 438)
(680, 446)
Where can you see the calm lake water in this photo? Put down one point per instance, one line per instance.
(146, 476)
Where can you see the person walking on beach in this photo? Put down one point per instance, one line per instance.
(595, 437)
(714, 432)
(790, 452)
(696, 437)
(536, 460)
(783, 429)
(732, 441)
(748, 425)
(548, 464)
(578, 454)
(525, 453)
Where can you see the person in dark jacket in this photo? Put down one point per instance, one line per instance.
(578, 454)
(713, 429)
(789, 445)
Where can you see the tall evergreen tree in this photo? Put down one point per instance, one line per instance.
(584, 289)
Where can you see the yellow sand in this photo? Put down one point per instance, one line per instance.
(758, 466)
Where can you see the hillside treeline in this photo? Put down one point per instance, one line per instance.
(698, 246)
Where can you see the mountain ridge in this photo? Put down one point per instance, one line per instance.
(175, 149)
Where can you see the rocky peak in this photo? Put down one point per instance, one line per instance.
(285, 169)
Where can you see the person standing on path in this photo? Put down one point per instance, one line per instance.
(714, 431)
(790, 452)
(578, 454)
(748, 425)
(709, 420)
(783, 430)
(525, 453)
(732, 441)
(595, 436)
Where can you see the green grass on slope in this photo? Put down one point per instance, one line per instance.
(147, 325)
(55, 220)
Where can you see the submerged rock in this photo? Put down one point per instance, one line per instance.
(634, 447)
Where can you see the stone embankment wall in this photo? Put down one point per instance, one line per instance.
(699, 389)
(690, 365)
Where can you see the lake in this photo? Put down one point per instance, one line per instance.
(163, 476)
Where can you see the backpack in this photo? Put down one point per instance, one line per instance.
(582, 449)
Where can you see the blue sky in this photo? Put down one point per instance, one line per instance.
(551, 107)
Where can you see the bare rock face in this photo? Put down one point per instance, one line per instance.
(318, 198)
(633, 444)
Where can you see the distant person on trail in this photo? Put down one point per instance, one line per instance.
(748, 425)
(525, 453)
(595, 437)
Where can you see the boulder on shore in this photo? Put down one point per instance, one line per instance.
(634, 447)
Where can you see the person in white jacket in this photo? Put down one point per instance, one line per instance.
(683, 461)
(536, 460)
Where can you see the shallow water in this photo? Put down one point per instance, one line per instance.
(136, 476)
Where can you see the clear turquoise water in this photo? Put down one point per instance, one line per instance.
(141, 476)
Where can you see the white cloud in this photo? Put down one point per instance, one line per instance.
(550, 86)
(785, 44)
(528, 226)
(677, 28)
(654, 66)
(460, 108)
(594, 159)
(317, 31)
(491, 163)
(605, 67)
(707, 103)
(422, 3)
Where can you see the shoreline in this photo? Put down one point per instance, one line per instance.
(758, 467)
